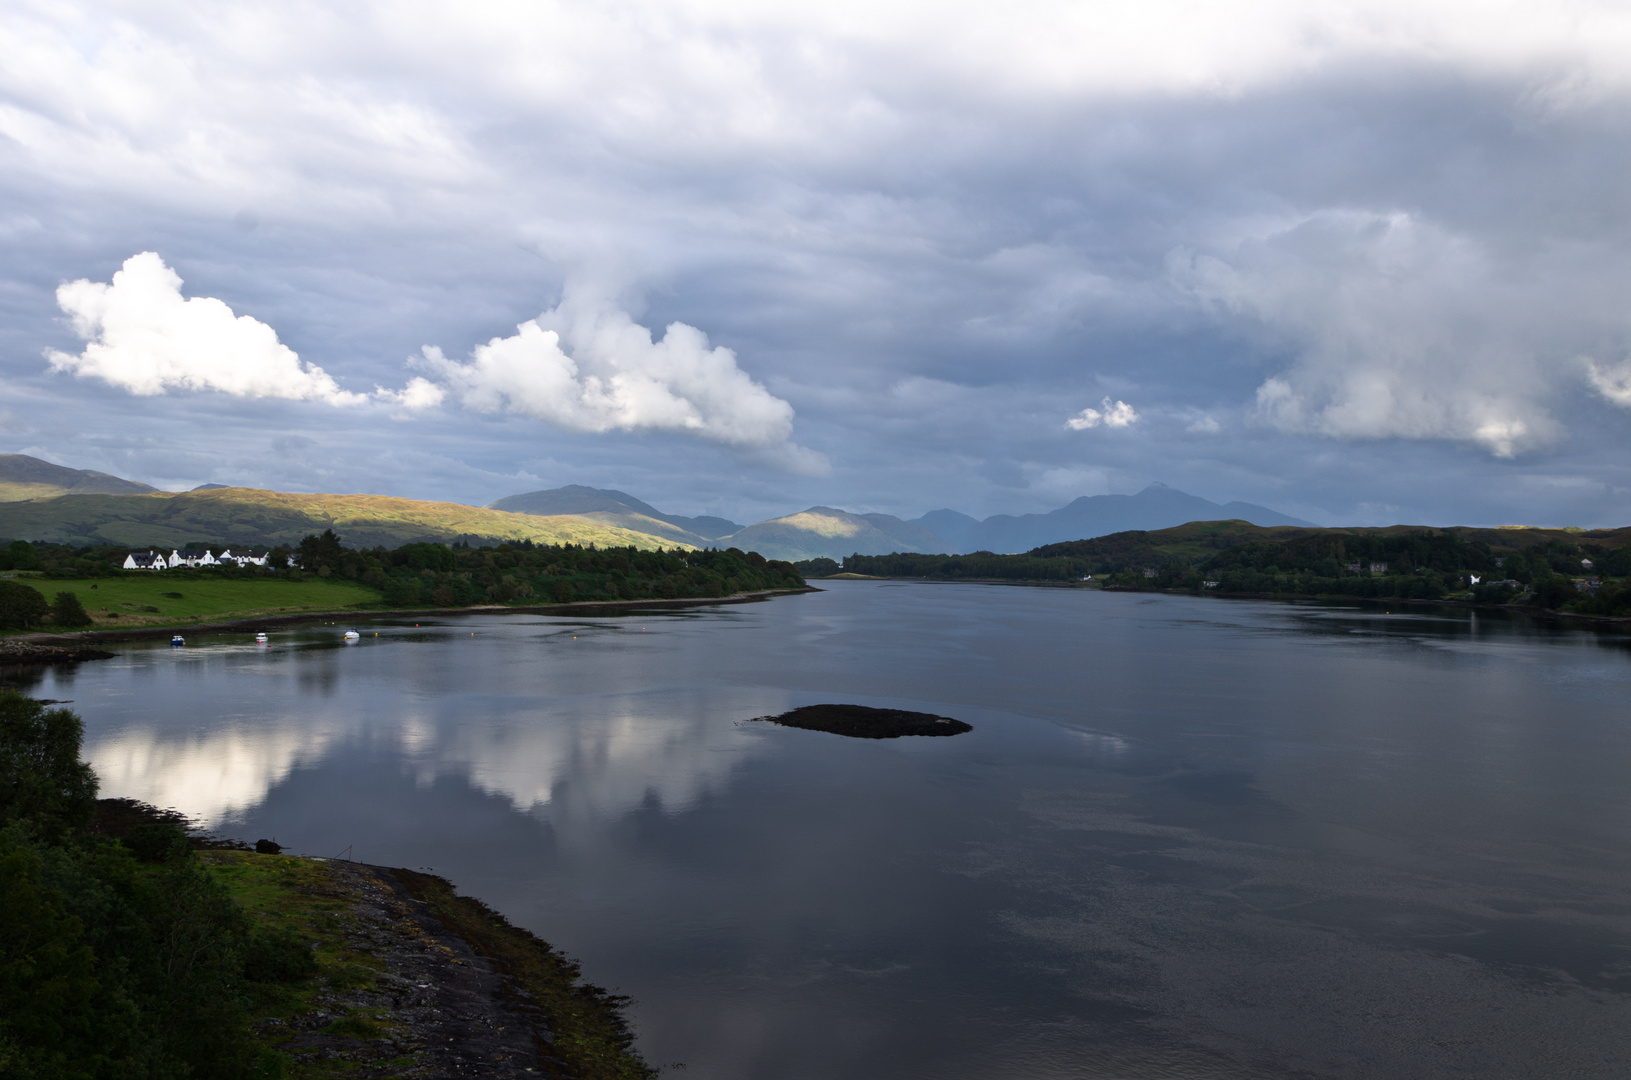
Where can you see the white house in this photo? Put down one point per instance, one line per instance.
(151, 561)
(178, 559)
(1378, 567)
(247, 558)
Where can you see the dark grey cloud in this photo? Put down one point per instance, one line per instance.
(1361, 269)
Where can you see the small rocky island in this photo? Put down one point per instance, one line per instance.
(863, 722)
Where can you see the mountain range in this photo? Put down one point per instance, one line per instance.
(825, 532)
(42, 501)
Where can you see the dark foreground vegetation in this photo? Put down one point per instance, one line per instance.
(1581, 572)
(131, 949)
(864, 722)
(417, 575)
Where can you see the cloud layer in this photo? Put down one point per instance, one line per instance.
(1359, 259)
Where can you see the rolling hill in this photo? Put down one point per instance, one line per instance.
(248, 516)
(617, 509)
(23, 477)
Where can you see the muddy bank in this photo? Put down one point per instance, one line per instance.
(17, 651)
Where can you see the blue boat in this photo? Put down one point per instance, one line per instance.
(178, 640)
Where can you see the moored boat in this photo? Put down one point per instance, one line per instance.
(177, 640)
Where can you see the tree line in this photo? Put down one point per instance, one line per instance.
(460, 574)
(1422, 564)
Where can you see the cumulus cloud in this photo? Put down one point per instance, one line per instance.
(143, 336)
(587, 366)
(1398, 328)
(1117, 414)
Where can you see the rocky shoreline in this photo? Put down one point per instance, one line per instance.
(19, 651)
(429, 1001)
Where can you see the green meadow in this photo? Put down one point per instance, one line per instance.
(125, 602)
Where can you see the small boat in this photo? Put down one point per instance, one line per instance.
(352, 635)
(177, 639)
(260, 639)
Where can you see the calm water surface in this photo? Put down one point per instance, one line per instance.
(1187, 837)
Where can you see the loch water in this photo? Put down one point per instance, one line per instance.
(1187, 837)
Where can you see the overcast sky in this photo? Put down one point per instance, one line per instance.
(1362, 262)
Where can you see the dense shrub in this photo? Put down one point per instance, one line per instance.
(118, 961)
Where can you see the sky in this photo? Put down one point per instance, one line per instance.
(1364, 262)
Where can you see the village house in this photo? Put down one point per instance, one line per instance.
(1378, 567)
(152, 560)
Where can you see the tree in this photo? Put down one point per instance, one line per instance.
(318, 553)
(41, 776)
(20, 555)
(68, 611)
(20, 606)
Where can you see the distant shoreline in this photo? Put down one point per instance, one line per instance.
(581, 607)
(1283, 597)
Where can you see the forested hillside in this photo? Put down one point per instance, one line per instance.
(1555, 569)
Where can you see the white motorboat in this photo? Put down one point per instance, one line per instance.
(352, 635)
(260, 639)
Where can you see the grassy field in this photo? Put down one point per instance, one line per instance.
(129, 602)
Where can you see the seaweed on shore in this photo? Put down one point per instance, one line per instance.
(864, 722)
(591, 1035)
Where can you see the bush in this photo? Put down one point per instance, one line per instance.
(278, 956)
(157, 842)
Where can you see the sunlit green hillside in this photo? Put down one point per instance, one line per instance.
(248, 516)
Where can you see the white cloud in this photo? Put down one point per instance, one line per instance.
(1399, 329)
(420, 393)
(144, 337)
(587, 366)
(1613, 382)
(1116, 414)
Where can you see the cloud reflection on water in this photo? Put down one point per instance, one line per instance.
(594, 761)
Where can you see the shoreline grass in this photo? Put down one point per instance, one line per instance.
(135, 603)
